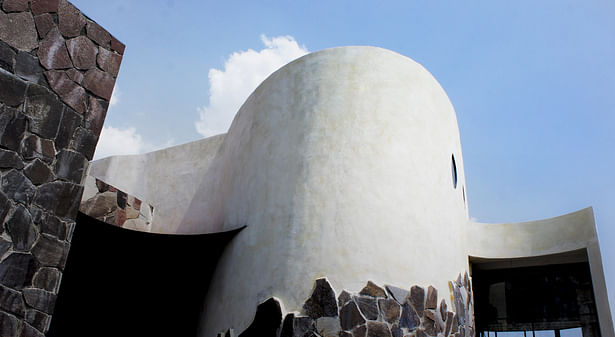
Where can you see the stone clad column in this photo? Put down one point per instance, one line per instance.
(57, 72)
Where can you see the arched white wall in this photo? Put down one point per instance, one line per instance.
(340, 165)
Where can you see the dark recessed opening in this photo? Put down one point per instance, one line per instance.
(454, 171)
(526, 295)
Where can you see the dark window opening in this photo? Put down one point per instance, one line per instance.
(454, 171)
(535, 297)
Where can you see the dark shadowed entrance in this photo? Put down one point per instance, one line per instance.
(529, 295)
(119, 282)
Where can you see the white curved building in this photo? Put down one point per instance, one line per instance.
(346, 164)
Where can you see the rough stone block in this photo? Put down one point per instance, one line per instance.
(18, 30)
(100, 205)
(371, 289)
(322, 302)
(95, 116)
(53, 226)
(350, 316)
(30, 331)
(117, 46)
(70, 19)
(368, 307)
(70, 92)
(17, 270)
(84, 142)
(389, 309)
(328, 326)
(7, 57)
(409, 319)
(83, 52)
(12, 301)
(44, 111)
(40, 299)
(12, 89)
(12, 127)
(8, 325)
(37, 319)
(360, 331)
(52, 51)
(109, 61)
(98, 34)
(38, 172)
(69, 124)
(417, 299)
(431, 302)
(99, 82)
(44, 23)
(5, 207)
(15, 5)
(70, 165)
(28, 67)
(378, 329)
(17, 187)
(10, 159)
(50, 252)
(44, 6)
(75, 75)
(36, 147)
(343, 298)
(47, 278)
(59, 197)
(21, 229)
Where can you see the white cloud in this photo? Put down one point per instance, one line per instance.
(243, 72)
(117, 141)
(115, 96)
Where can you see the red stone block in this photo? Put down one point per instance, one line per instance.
(98, 34)
(44, 6)
(15, 5)
(70, 92)
(83, 52)
(18, 30)
(117, 46)
(52, 51)
(109, 61)
(120, 217)
(70, 18)
(75, 75)
(95, 115)
(99, 82)
(44, 23)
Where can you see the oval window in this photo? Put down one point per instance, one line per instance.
(454, 171)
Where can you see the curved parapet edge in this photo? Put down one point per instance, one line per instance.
(561, 234)
(167, 179)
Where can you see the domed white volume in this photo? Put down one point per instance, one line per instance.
(340, 166)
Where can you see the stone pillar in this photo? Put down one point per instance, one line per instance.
(57, 73)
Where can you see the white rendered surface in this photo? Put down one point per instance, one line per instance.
(340, 166)
(168, 179)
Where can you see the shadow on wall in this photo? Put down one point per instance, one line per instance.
(119, 282)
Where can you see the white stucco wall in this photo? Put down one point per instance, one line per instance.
(340, 166)
(167, 179)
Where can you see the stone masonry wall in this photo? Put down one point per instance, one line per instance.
(109, 204)
(373, 312)
(57, 73)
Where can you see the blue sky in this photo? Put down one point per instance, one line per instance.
(533, 84)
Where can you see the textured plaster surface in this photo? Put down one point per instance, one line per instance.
(339, 164)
